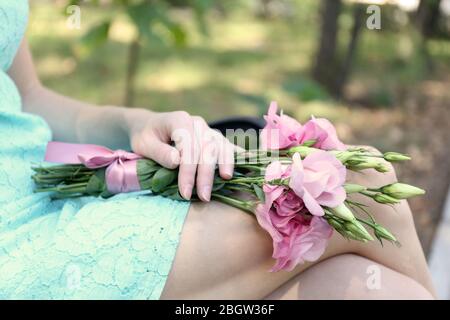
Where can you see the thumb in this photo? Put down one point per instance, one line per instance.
(161, 152)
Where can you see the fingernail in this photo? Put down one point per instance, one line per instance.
(228, 175)
(186, 192)
(206, 193)
(175, 158)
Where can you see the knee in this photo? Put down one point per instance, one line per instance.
(367, 279)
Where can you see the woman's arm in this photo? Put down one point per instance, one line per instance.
(69, 119)
(197, 148)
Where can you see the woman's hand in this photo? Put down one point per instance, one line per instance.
(178, 139)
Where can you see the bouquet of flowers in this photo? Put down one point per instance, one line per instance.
(296, 181)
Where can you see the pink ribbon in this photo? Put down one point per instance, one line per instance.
(121, 175)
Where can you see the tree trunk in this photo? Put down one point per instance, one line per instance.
(358, 21)
(427, 17)
(132, 66)
(325, 66)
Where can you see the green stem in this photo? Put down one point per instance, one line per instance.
(245, 180)
(368, 193)
(250, 167)
(240, 188)
(243, 205)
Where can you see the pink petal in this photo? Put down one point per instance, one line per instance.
(332, 199)
(311, 204)
(274, 171)
(297, 175)
(263, 216)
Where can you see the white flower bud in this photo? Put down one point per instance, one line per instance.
(395, 156)
(342, 211)
(353, 188)
(402, 191)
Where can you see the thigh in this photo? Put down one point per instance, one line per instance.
(353, 277)
(224, 254)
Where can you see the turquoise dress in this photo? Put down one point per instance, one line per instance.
(89, 248)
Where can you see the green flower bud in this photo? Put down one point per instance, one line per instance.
(309, 143)
(302, 150)
(358, 229)
(385, 199)
(355, 160)
(353, 188)
(367, 163)
(395, 157)
(383, 233)
(335, 224)
(342, 211)
(402, 190)
(382, 168)
(350, 235)
(345, 156)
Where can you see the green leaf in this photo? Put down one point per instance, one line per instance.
(259, 193)
(172, 193)
(96, 36)
(147, 16)
(162, 178)
(96, 184)
(178, 34)
(145, 182)
(146, 166)
(143, 15)
(106, 194)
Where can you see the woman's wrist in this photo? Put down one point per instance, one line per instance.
(134, 119)
(104, 125)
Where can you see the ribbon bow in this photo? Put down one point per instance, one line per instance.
(121, 175)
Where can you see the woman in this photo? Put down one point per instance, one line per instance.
(133, 246)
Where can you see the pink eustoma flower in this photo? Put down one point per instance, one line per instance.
(318, 180)
(278, 197)
(281, 131)
(301, 238)
(323, 132)
(297, 236)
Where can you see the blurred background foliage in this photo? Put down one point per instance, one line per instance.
(388, 88)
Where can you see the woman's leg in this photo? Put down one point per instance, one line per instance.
(223, 253)
(350, 276)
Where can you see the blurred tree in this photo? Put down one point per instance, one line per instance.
(427, 21)
(427, 17)
(145, 15)
(345, 67)
(325, 67)
(331, 70)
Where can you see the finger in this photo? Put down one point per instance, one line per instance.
(206, 170)
(161, 152)
(183, 134)
(226, 159)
